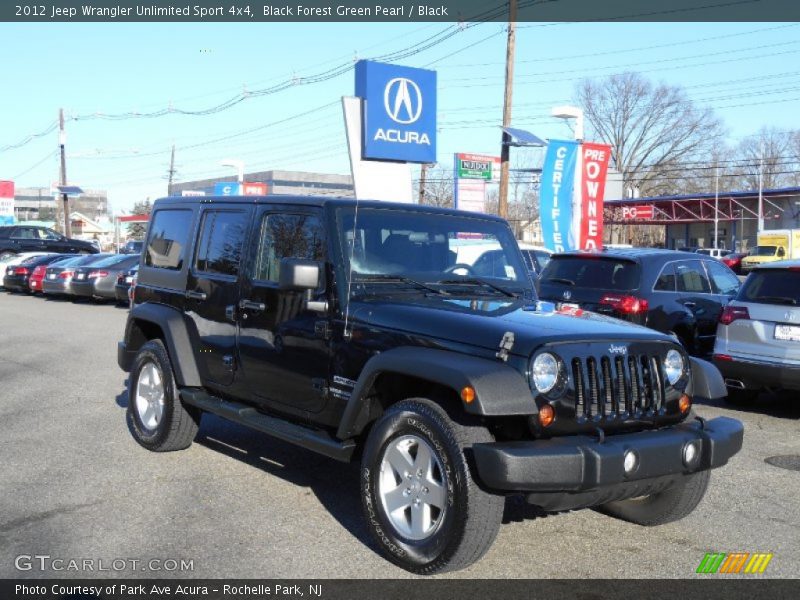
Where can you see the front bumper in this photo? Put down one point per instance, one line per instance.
(580, 464)
(756, 375)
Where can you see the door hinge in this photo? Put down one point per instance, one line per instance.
(322, 329)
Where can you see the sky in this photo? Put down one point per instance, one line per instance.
(747, 72)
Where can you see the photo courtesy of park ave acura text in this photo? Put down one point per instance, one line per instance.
(472, 299)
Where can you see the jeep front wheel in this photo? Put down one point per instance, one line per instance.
(421, 502)
(159, 420)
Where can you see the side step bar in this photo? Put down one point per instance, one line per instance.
(316, 440)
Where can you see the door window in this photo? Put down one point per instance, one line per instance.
(691, 277)
(286, 236)
(666, 280)
(25, 233)
(221, 238)
(49, 235)
(722, 279)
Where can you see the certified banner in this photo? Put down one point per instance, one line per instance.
(594, 166)
(555, 195)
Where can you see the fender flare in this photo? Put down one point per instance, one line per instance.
(176, 338)
(706, 381)
(500, 390)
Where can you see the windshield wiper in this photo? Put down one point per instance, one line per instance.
(398, 279)
(777, 300)
(560, 280)
(479, 281)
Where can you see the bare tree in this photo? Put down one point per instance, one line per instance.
(770, 152)
(653, 129)
(438, 188)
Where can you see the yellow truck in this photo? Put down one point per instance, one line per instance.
(773, 245)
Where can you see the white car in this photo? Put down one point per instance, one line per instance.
(717, 253)
(758, 337)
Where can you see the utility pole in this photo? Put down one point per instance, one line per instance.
(502, 204)
(716, 208)
(423, 173)
(171, 171)
(62, 139)
(761, 188)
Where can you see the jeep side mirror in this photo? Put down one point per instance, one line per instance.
(298, 274)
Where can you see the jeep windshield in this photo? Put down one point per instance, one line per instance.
(418, 250)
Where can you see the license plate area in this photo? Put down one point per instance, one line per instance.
(787, 333)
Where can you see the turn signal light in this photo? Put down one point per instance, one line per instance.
(20, 271)
(94, 274)
(628, 305)
(65, 274)
(684, 404)
(546, 415)
(467, 394)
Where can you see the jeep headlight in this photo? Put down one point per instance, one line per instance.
(673, 366)
(544, 372)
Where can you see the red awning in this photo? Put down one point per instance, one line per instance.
(134, 219)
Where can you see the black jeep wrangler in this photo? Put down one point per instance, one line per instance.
(399, 334)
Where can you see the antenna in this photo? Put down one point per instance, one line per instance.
(346, 333)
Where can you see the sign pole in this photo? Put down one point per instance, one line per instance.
(62, 138)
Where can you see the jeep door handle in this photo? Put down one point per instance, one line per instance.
(251, 305)
(196, 295)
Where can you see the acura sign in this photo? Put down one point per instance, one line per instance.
(399, 112)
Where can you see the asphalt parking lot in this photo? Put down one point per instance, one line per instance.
(239, 504)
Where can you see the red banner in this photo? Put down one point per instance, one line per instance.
(639, 212)
(6, 189)
(594, 166)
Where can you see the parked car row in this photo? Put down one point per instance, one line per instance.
(751, 331)
(100, 276)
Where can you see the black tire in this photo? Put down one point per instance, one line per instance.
(179, 423)
(670, 505)
(737, 397)
(471, 518)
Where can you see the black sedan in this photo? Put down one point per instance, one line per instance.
(17, 276)
(15, 239)
(99, 279)
(670, 291)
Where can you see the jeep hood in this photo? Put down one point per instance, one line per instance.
(483, 322)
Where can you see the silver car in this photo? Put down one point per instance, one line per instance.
(758, 337)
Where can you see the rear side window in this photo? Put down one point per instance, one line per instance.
(221, 239)
(691, 277)
(167, 239)
(593, 272)
(666, 280)
(772, 286)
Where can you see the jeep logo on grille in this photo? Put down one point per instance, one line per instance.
(612, 349)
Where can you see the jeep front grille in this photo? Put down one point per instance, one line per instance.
(618, 386)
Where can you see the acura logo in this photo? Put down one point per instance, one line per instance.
(402, 100)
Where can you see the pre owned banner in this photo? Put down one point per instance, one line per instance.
(6, 202)
(594, 166)
(555, 194)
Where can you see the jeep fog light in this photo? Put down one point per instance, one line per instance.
(691, 454)
(547, 415)
(631, 462)
(544, 372)
(673, 366)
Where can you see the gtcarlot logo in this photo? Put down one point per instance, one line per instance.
(45, 562)
(734, 563)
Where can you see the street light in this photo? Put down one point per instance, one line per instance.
(571, 112)
(235, 164)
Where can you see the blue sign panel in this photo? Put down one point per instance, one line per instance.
(555, 195)
(399, 117)
(226, 188)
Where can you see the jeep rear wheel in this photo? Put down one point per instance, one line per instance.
(159, 420)
(422, 505)
(672, 504)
